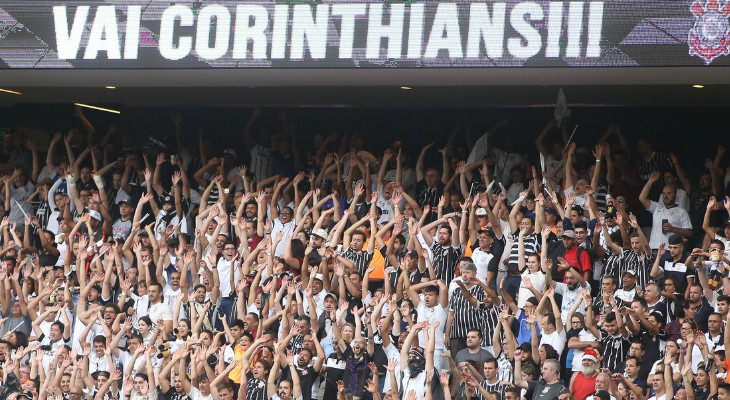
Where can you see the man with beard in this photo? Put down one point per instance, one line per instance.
(416, 361)
(668, 218)
(181, 386)
(308, 374)
(583, 382)
(570, 290)
(159, 310)
(288, 389)
(357, 357)
(198, 304)
(672, 264)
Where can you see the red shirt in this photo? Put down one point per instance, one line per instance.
(583, 386)
(571, 256)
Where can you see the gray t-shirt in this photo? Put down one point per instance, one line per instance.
(480, 357)
(11, 323)
(543, 391)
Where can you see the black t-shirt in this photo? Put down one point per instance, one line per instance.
(306, 380)
(335, 369)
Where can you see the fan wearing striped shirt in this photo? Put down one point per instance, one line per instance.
(447, 249)
(613, 335)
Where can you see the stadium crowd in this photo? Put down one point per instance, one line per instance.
(190, 273)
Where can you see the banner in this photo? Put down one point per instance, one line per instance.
(148, 34)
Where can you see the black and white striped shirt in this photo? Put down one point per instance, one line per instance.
(615, 350)
(466, 316)
(641, 263)
(532, 246)
(490, 319)
(613, 266)
(494, 388)
(445, 259)
(361, 259)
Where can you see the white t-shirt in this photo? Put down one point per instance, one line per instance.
(580, 199)
(432, 314)
(676, 216)
(160, 311)
(538, 282)
(481, 260)
(555, 339)
(287, 229)
(569, 298)
(196, 394)
(584, 336)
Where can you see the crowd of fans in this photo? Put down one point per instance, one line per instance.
(174, 270)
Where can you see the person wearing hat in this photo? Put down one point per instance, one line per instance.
(583, 382)
(415, 361)
(93, 225)
(671, 263)
(628, 289)
(318, 238)
(668, 218)
(576, 256)
(484, 256)
(122, 227)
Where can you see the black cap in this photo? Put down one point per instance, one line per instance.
(602, 394)
(675, 239)
(166, 199)
(412, 254)
(611, 212)
(487, 232)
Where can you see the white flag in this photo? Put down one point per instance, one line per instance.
(561, 108)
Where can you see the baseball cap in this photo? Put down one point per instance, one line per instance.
(412, 254)
(611, 212)
(481, 212)
(569, 233)
(488, 232)
(319, 232)
(230, 152)
(602, 394)
(630, 272)
(166, 199)
(95, 214)
(318, 276)
(331, 294)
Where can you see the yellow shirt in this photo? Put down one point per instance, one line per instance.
(235, 374)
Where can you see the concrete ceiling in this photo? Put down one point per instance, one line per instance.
(372, 87)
